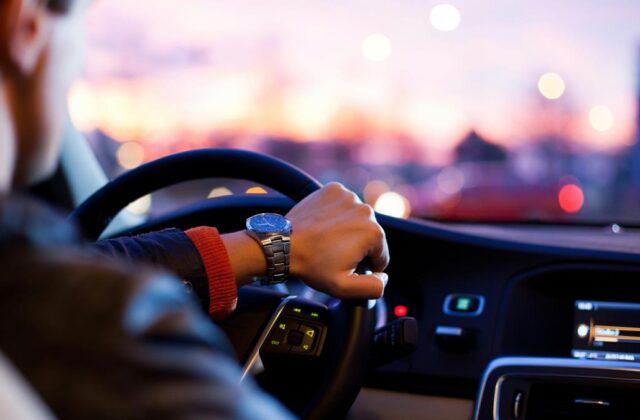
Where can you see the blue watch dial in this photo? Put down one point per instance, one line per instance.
(267, 223)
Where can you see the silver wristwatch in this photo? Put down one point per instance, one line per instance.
(273, 233)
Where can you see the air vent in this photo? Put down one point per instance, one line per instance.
(530, 388)
(552, 397)
(582, 400)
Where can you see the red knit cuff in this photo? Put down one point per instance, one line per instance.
(223, 291)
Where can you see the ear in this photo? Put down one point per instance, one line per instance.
(25, 29)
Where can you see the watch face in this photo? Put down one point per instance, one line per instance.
(267, 223)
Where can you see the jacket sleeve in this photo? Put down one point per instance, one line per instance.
(96, 341)
(197, 256)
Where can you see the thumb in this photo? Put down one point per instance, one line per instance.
(362, 286)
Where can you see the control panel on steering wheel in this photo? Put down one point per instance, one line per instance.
(300, 330)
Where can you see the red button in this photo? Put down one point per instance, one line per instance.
(400, 311)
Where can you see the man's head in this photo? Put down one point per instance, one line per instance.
(42, 47)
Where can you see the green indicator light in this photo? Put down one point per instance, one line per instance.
(282, 326)
(297, 310)
(315, 314)
(275, 342)
(306, 347)
(463, 304)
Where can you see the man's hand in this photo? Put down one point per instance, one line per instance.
(333, 231)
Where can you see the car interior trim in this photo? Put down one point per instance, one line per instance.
(600, 365)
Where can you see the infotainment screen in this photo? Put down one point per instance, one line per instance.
(606, 331)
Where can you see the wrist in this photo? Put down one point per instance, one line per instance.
(246, 257)
(295, 259)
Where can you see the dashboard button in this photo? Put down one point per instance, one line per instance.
(278, 339)
(276, 345)
(307, 344)
(313, 313)
(295, 310)
(452, 338)
(463, 305)
(295, 338)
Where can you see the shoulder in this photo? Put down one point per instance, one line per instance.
(79, 326)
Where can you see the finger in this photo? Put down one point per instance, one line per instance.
(379, 256)
(379, 253)
(354, 286)
(334, 189)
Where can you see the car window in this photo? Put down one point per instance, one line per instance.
(495, 110)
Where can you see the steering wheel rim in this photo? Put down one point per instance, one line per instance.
(96, 212)
(350, 351)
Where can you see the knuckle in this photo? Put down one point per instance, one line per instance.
(384, 257)
(366, 210)
(334, 187)
(363, 211)
(377, 232)
(350, 198)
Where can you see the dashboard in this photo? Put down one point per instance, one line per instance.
(543, 301)
(480, 292)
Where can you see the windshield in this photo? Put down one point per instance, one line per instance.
(495, 110)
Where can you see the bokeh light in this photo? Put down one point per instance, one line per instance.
(445, 17)
(141, 206)
(219, 192)
(130, 155)
(377, 47)
(256, 190)
(571, 198)
(393, 204)
(381, 95)
(373, 190)
(601, 118)
(450, 180)
(551, 85)
(400, 311)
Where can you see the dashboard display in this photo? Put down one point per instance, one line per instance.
(606, 331)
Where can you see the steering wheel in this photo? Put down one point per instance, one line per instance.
(315, 355)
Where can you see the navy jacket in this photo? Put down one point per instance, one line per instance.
(167, 250)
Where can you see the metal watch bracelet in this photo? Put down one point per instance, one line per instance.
(276, 250)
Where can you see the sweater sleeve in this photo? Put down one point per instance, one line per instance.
(197, 256)
(223, 291)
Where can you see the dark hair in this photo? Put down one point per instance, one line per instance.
(59, 6)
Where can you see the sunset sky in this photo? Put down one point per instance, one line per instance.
(381, 69)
